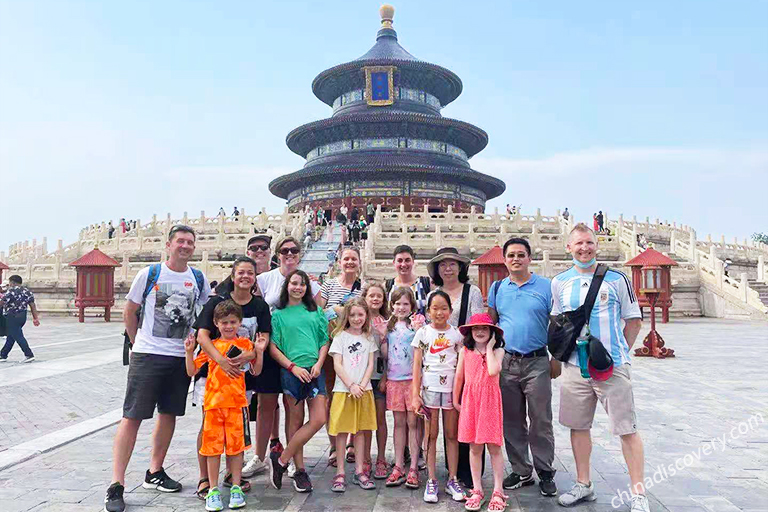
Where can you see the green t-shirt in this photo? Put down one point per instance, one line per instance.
(299, 333)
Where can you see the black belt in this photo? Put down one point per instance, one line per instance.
(541, 352)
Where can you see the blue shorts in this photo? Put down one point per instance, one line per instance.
(299, 390)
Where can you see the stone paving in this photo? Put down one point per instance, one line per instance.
(703, 411)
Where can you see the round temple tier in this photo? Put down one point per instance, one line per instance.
(386, 141)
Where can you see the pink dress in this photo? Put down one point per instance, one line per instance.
(481, 419)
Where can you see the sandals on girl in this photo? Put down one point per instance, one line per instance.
(203, 492)
(351, 453)
(498, 501)
(339, 484)
(412, 482)
(364, 481)
(396, 477)
(381, 469)
(332, 457)
(475, 500)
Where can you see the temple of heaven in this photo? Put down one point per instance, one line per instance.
(386, 142)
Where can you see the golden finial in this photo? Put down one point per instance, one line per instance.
(387, 12)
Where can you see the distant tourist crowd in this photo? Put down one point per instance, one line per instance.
(343, 353)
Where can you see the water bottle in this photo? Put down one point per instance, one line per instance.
(582, 345)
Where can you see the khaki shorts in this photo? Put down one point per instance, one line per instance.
(579, 396)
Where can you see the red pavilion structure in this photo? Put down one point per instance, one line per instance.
(491, 268)
(95, 282)
(653, 259)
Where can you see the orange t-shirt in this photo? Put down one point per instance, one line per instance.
(221, 390)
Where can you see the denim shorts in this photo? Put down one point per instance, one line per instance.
(299, 390)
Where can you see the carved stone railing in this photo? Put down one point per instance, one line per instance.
(61, 274)
(215, 234)
(664, 230)
(711, 271)
(517, 223)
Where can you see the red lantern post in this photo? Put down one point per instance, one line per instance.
(651, 279)
(95, 282)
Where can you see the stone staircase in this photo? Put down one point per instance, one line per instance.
(761, 288)
(315, 259)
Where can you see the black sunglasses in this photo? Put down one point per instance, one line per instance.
(291, 250)
(255, 248)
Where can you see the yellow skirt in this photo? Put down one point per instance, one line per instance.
(351, 415)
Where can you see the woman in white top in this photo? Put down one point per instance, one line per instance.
(288, 252)
(450, 272)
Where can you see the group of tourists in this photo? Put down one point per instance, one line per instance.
(422, 347)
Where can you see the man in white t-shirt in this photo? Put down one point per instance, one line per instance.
(157, 375)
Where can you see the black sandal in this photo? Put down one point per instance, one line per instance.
(245, 485)
(350, 453)
(332, 457)
(202, 493)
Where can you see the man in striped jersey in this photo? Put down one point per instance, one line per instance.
(615, 304)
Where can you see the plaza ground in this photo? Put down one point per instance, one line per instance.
(704, 411)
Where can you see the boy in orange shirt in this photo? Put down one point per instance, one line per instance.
(225, 422)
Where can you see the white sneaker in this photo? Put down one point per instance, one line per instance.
(254, 467)
(430, 492)
(291, 469)
(28, 359)
(639, 504)
(577, 494)
(3, 359)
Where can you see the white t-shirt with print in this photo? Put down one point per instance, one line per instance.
(440, 355)
(355, 350)
(169, 311)
(271, 284)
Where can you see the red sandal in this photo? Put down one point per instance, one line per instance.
(475, 500)
(498, 501)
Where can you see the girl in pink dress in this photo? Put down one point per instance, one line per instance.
(480, 415)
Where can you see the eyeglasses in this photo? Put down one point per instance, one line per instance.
(290, 250)
(255, 248)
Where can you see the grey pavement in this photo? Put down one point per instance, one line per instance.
(703, 413)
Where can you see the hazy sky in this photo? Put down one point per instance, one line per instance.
(129, 108)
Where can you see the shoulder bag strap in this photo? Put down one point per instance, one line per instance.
(464, 304)
(594, 287)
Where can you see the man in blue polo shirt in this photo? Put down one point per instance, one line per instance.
(521, 304)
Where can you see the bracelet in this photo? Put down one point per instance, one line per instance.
(291, 367)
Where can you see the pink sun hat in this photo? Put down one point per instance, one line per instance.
(479, 320)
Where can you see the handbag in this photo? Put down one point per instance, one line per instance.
(565, 328)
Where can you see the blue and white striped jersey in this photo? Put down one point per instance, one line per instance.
(615, 302)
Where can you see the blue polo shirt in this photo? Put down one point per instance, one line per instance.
(523, 312)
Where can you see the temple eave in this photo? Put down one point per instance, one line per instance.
(468, 137)
(285, 185)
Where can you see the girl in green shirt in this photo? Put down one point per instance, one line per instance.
(299, 345)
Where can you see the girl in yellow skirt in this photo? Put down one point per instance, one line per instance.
(353, 410)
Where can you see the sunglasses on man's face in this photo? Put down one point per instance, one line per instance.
(255, 248)
(289, 250)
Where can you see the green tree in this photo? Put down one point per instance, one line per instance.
(760, 237)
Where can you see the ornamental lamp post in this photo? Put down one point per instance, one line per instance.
(651, 276)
